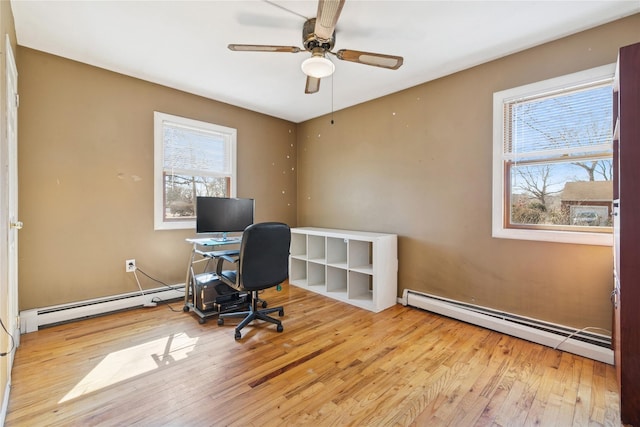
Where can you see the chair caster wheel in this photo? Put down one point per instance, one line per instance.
(281, 313)
(264, 304)
(202, 320)
(279, 328)
(185, 308)
(237, 335)
(220, 321)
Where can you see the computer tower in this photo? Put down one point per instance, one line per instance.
(211, 294)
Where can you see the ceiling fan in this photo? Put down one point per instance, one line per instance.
(318, 37)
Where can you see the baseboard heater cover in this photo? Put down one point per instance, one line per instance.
(591, 345)
(31, 320)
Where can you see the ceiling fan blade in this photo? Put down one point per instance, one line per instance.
(376, 59)
(312, 86)
(328, 14)
(262, 48)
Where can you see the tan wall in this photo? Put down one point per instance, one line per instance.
(6, 28)
(86, 178)
(418, 163)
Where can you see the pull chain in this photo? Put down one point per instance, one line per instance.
(332, 98)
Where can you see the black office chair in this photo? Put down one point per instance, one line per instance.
(263, 262)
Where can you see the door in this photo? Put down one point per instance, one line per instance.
(12, 184)
(615, 294)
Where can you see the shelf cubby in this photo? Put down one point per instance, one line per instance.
(336, 280)
(316, 249)
(297, 271)
(360, 286)
(298, 246)
(316, 274)
(337, 252)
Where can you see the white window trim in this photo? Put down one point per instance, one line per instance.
(498, 204)
(158, 190)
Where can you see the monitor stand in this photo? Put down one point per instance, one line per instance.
(221, 239)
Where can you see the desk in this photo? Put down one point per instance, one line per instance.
(201, 253)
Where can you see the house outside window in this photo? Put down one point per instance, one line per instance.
(192, 158)
(552, 160)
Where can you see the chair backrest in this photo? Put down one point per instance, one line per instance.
(264, 255)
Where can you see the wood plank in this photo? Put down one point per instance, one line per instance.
(334, 364)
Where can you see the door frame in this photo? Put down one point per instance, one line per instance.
(13, 225)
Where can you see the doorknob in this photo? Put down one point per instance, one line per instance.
(17, 225)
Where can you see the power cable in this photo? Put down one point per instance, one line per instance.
(156, 299)
(13, 342)
(576, 332)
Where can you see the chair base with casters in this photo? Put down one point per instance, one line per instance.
(254, 314)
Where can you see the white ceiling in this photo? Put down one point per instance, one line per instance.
(183, 44)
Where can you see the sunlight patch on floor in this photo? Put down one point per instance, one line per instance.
(130, 362)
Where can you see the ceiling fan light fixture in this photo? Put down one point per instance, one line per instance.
(318, 67)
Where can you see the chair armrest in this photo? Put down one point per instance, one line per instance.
(221, 259)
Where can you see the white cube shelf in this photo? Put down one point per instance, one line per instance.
(357, 267)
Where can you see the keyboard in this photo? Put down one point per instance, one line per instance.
(227, 240)
(230, 252)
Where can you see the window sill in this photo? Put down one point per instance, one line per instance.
(578, 238)
(175, 225)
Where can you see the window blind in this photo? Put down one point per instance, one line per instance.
(532, 127)
(195, 151)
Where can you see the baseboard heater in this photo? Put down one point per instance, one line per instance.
(588, 344)
(34, 319)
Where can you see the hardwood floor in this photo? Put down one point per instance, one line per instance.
(334, 364)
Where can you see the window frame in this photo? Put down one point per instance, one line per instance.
(501, 182)
(159, 120)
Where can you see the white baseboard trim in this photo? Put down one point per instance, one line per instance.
(31, 320)
(591, 345)
(5, 402)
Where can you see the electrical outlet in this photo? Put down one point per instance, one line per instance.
(130, 265)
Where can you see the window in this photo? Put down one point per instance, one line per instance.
(552, 159)
(192, 158)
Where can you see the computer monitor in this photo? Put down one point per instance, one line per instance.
(223, 215)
